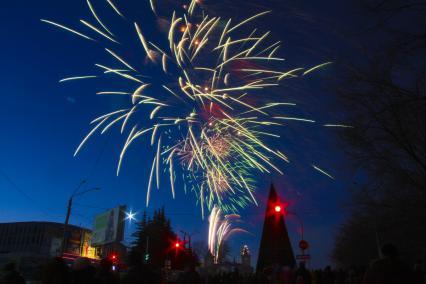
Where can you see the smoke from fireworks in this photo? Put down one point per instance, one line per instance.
(207, 120)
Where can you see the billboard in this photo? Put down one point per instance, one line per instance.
(108, 227)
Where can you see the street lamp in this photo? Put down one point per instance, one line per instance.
(300, 222)
(70, 200)
(130, 216)
(303, 245)
(280, 209)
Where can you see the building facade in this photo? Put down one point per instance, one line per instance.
(31, 244)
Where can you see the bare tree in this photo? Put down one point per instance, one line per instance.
(385, 95)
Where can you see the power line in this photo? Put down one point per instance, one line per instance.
(96, 161)
(23, 193)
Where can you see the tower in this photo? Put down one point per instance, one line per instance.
(245, 256)
(275, 247)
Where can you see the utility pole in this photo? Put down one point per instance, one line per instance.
(185, 234)
(302, 229)
(67, 218)
(69, 208)
(184, 238)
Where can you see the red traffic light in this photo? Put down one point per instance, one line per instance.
(114, 258)
(277, 208)
(176, 244)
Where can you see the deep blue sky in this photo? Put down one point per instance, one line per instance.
(42, 122)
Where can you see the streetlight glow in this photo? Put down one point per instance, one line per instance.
(130, 216)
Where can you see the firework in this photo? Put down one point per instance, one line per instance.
(206, 122)
(220, 229)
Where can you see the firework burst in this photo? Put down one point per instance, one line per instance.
(206, 122)
(220, 229)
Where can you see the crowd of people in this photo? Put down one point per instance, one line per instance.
(389, 269)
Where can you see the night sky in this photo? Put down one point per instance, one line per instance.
(42, 122)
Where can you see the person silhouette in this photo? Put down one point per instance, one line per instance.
(302, 275)
(56, 272)
(11, 275)
(389, 269)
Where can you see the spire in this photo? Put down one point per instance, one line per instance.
(275, 247)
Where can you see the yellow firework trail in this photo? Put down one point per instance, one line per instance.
(151, 2)
(97, 30)
(322, 171)
(294, 118)
(338, 125)
(316, 67)
(77, 78)
(114, 7)
(120, 59)
(208, 121)
(67, 29)
(92, 10)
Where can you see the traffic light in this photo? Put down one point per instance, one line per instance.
(177, 245)
(146, 257)
(114, 258)
(278, 208)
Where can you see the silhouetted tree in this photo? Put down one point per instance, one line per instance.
(385, 95)
(224, 252)
(154, 242)
(200, 248)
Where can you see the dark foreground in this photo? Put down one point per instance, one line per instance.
(387, 270)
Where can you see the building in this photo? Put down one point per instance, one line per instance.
(245, 256)
(115, 248)
(108, 233)
(245, 267)
(31, 244)
(275, 247)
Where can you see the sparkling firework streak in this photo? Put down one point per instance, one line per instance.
(206, 115)
(322, 171)
(220, 229)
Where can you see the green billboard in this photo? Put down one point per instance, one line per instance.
(109, 226)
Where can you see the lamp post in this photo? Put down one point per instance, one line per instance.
(303, 245)
(280, 209)
(302, 230)
(70, 200)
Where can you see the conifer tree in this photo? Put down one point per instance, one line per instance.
(154, 242)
